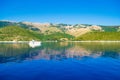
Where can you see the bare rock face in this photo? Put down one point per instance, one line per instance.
(68, 27)
(45, 28)
(36, 24)
(95, 27)
(78, 31)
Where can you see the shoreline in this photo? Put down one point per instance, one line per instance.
(14, 41)
(93, 41)
(53, 41)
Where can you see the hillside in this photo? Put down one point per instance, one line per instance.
(100, 36)
(10, 33)
(49, 28)
(110, 28)
(58, 36)
(44, 28)
(47, 31)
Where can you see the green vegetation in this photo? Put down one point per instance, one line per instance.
(10, 33)
(100, 36)
(20, 31)
(110, 28)
(57, 36)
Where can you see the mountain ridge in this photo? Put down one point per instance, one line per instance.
(60, 31)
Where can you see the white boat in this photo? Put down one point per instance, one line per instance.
(34, 43)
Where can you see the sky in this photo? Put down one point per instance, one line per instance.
(100, 12)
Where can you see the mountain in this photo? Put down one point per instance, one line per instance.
(49, 28)
(49, 31)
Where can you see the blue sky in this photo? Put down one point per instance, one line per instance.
(105, 12)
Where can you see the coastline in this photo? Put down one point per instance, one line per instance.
(14, 41)
(54, 41)
(93, 41)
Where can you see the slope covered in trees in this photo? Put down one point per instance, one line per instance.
(10, 33)
(100, 36)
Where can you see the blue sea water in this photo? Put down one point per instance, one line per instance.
(60, 61)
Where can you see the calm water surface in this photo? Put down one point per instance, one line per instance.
(60, 61)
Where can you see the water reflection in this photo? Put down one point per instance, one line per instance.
(58, 51)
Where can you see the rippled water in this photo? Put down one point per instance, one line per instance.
(60, 61)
